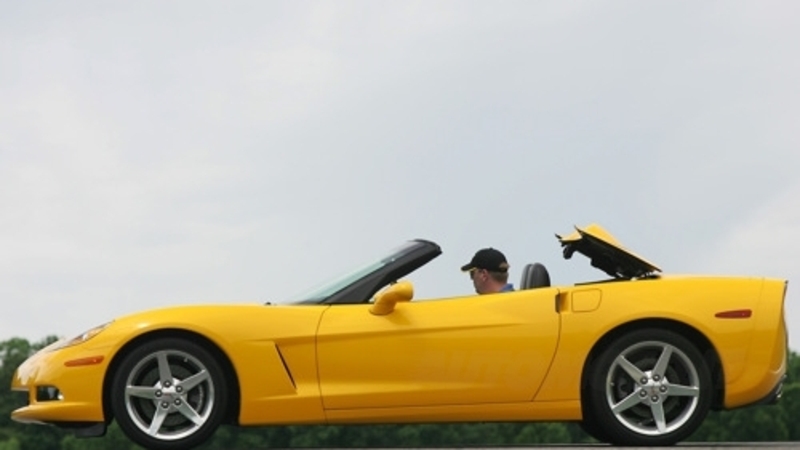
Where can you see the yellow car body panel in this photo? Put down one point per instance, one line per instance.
(514, 356)
(399, 360)
(743, 344)
(461, 351)
(81, 386)
(249, 335)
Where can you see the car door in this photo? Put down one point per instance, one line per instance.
(479, 349)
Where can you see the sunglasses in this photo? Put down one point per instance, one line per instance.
(474, 271)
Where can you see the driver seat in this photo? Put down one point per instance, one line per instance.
(534, 276)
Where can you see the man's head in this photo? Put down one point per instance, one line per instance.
(488, 270)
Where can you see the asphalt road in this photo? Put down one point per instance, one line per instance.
(704, 445)
(720, 445)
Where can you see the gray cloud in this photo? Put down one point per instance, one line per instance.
(157, 153)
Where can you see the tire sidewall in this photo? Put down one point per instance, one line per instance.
(591, 428)
(603, 417)
(117, 394)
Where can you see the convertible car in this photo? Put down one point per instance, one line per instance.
(637, 357)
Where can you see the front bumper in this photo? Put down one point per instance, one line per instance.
(63, 386)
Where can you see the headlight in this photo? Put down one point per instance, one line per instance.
(80, 339)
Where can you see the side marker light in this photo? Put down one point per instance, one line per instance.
(84, 361)
(735, 314)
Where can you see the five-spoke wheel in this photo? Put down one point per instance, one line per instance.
(648, 387)
(169, 393)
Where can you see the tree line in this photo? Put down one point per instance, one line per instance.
(780, 422)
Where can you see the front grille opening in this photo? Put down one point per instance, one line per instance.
(48, 394)
(20, 398)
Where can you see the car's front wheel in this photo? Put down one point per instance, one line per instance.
(591, 428)
(169, 394)
(648, 388)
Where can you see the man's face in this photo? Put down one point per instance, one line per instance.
(480, 278)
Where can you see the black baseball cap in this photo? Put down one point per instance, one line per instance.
(487, 258)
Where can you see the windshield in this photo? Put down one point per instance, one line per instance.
(325, 290)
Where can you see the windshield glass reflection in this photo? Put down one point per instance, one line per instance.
(326, 289)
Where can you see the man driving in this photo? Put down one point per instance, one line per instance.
(489, 271)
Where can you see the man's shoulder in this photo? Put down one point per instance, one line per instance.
(507, 288)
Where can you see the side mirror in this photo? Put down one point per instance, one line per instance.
(385, 301)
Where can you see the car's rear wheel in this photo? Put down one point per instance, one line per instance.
(169, 394)
(648, 388)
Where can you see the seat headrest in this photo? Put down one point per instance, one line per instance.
(534, 276)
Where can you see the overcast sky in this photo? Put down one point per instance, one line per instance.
(159, 153)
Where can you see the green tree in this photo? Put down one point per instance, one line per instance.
(545, 433)
(11, 444)
(790, 403)
(114, 439)
(14, 352)
(793, 370)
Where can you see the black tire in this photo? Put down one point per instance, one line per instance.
(593, 430)
(169, 394)
(659, 399)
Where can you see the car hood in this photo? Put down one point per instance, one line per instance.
(606, 253)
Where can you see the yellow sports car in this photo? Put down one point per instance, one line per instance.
(638, 358)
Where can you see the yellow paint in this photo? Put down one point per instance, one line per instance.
(586, 300)
(509, 356)
(474, 350)
(602, 234)
(386, 300)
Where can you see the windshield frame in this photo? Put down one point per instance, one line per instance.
(358, 285)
